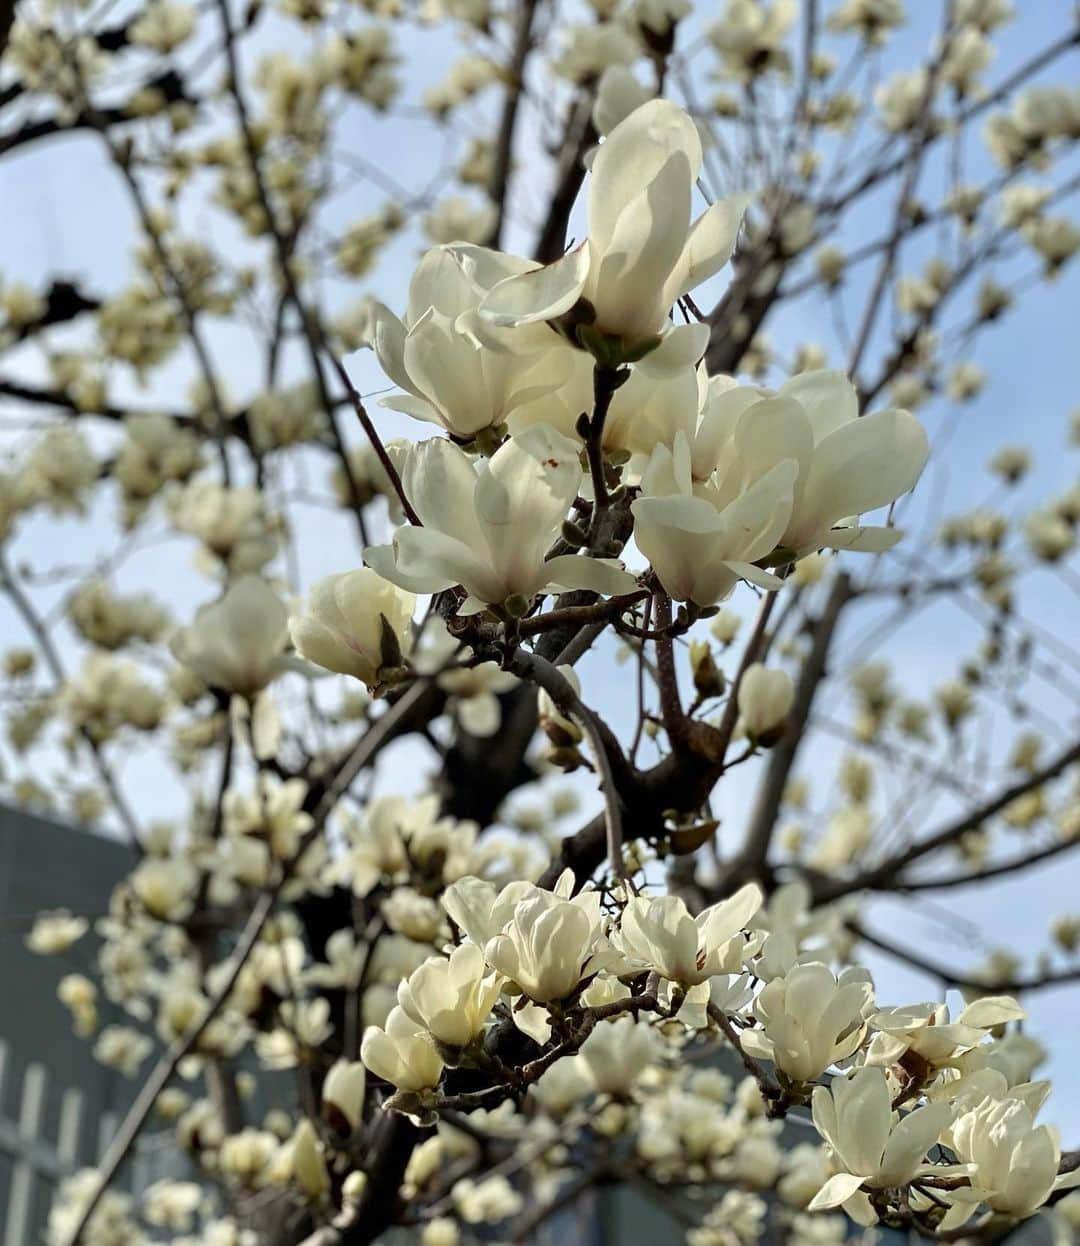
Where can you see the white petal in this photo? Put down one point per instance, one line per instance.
(645, 245)
(440, 481)
(439, 561)
(418, 408)
(827, 397)
(991, 1011)
(388, 341)
(542, 294)
(578, 571)
(838, 1189)
(863, 465)
(631, 156)
(870, 540)
(710, 243)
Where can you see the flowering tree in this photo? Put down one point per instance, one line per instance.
(356, 855)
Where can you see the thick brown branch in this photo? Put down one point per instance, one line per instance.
(579, 137)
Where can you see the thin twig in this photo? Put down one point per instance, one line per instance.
(554, 683)
(376, 441)
(887, 876)
(167, 1065)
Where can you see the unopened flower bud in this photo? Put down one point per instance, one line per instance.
(308, 1164)
(765, 699)
(343, 1095)
(709, 680)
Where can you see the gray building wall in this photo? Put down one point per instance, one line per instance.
(46, 865)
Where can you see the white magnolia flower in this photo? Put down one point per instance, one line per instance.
(750, 35)
(550, 945)
(488, 524)
(173, 1204)
(982, 1082)
(78, 994)
(765, 698)
(806, 1169)
(701, 543)
(245, 1156)
(871, 19)
(642, 252)
(660, 397)
(562, 1087)
(1055, 238)
(112, 1220)
(163, 26)
(587, 49)
(442, 1231)
(356, 623)
(1014, 1161)
(274, 812)
(237, 532)
(305, 1027)
(165, 886)
(809, 1020)
(414, 915)
(123, 1048)
(848, 833)
(475, 692)
(617, 1052)
(486, 1201)
(870, 1145)
(846, 465)
(926, 1030)
(56, 931)
(238, 642)
(1049, 536)
(968, 53)
(450, 376)
(986, 14)
(659, 16)
(901, 98)
(457, 219)
(402, 1053)
(397, 833)
(661, 934)
(451, 997)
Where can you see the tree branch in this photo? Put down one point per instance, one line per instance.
(887, 875)
(504, 143)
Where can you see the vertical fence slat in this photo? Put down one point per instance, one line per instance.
(107, 1127)
(67, 1139)
(21, 1196)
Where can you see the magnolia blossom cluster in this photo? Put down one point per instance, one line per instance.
(577, 1009)
(730, 481)
(607, 999)
(904, 1099)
